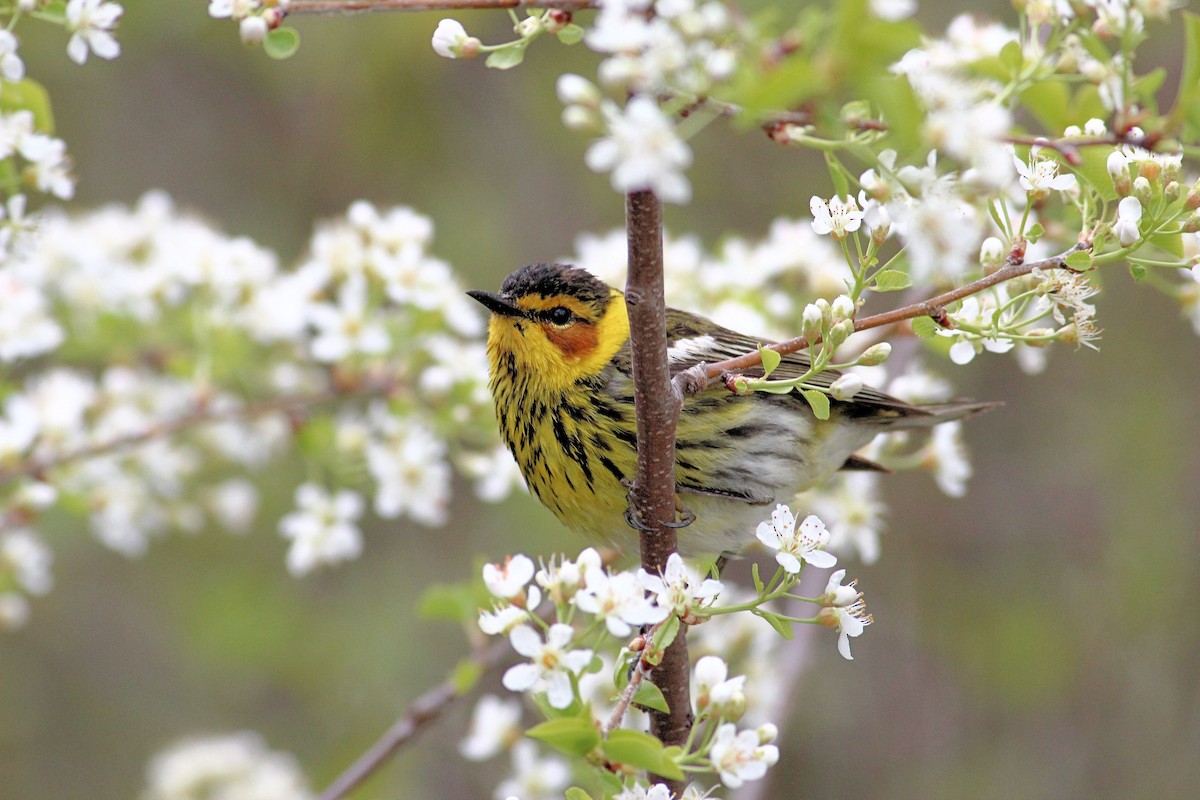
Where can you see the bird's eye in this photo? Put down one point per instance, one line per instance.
(559, 315)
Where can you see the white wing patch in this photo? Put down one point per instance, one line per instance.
(690, 350)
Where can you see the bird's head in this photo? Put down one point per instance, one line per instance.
(554, 321)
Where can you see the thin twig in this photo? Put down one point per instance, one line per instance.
(640, 670)
(203, 415)
(423, 710)
(363, 6)
(704, 376)
(657, 404)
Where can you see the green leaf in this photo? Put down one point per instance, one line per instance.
(819, 401)
(890, 280)
(758, 584)
(28, 95)
(642, 751)
(571, 34)
(1080, 261)
(1093, 168)
(647, 695)
(1168, 242)
(574, 736)
(448, 601)
(666, 633)
(467, 673)
(770, 359)
(507, 57)
(781, 627)
(925, 328)
(1137, 271)
(1147, 85)
(575, 793)
(1034, 232)
(1050, 102)
(1012, 57)
(1186, 113)
(282, 43)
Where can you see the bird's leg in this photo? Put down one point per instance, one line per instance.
(686, 515)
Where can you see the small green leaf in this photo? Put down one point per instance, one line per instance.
(1034, 232)
(1093, 169)
(781, 627)
(641, 750)
(571, 34)
(758, 584)
(770, 359)
(281, 43)
(666, 633)
(1012, 57)
(647, 695)
(467, 673)
(575, 793)
(448, 601)
(1137, 271)
(28, 95)
(925, 328)
(1168, 242)
(507, 57)
(819, 401)
(574, 736)
(890, 280)
(1080, 261)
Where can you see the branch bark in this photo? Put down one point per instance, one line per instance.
(658, 403)
(362, 6)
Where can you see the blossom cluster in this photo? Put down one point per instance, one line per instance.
(234, 765)
(163, 413)
(565, 617)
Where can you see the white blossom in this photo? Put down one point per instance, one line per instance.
(91, 23)
(740, 756)
(619, 600)
(678, 590)
(507, 580)
(795, 544)
(322, 529)
(345, 329)
(495, 725)
(238, 765)
(836, 217)
(551, 664)
(1129, 214)
(642, 151)
(534, 778)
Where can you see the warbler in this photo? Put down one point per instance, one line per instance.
(560, 375)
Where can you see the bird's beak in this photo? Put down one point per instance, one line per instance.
(497, 303)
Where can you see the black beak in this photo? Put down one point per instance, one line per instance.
(497, 303)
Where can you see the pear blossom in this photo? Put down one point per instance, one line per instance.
(642, 151)
(551, 665)
(805, 543)
(837, 595)
(619, 600)
(836, 217)
(91, 23)
(1039, 176)
(534, 778)
(715, 692)
(947, 457)
(1129, 214)
(229, 766)
(495, 725)
(322, 529)
(450, 40)
(561, 578)
(502, 619)
(849, 620)
(508, 579)
(678, 590)
(345, 329)
(740, 756)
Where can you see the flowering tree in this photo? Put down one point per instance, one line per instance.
(981, 179)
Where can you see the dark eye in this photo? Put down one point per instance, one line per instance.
(559, 315)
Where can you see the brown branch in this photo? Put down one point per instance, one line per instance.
(704, 376)
(203, 415)
(362, 6)
(657, 403)
(425, 709)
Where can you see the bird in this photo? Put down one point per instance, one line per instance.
(560, 374)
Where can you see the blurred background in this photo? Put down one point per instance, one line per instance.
(1037, 638)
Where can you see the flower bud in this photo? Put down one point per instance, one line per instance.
(557, 19)
(1171, 191)
(826, 312)
(767, 733)
(875, 355)
(1118, 170)
(811, 322)
(575, 89)
(992, 254)
(840, 332)
(1192, 223)
(579, 118)
(1149, 169)
(842, 308)
(253, 31)
(1142, 190)
(530, 26)
(846, 387)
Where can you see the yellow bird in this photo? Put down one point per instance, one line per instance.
(560, 375)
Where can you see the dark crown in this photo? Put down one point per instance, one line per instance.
(549, 280)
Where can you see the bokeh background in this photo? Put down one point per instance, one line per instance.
(1038, 638)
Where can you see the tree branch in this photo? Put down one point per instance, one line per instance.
(658, 403)
(424, 709)
(704, 376)
(203, 415)
(362, 6)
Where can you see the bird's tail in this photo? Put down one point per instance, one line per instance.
(917, 417)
